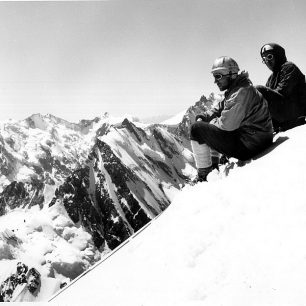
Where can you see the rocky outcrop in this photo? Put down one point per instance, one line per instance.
(138, 133)
(23, 195)
(199, 107)
(106, 207)
(24, 278)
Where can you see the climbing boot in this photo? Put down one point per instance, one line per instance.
(202, 174)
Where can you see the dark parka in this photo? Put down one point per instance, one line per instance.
(289, 82)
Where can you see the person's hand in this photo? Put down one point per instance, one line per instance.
(203, 117)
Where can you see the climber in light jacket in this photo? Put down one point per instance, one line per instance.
(285, 89)
(240, 126)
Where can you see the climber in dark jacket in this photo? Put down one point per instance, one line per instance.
(285, 89)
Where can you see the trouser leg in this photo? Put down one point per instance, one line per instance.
(224, 142)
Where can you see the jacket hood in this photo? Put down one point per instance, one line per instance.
(243, 78)
(278, 52)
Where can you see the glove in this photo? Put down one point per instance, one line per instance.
(204, 117)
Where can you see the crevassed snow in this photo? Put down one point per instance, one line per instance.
(49, 241)
(237, 241)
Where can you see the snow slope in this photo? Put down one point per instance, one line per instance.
(236, 240)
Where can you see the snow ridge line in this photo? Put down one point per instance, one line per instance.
(106, 257)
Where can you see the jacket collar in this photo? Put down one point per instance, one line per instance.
(241, 81)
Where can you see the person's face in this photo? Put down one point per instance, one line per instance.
(269, 60)
(222, 79)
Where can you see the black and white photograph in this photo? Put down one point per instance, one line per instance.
(153, 152)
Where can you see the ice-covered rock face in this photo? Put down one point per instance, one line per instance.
(126, 181)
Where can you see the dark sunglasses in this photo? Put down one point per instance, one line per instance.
(267, 58)
(219, 76)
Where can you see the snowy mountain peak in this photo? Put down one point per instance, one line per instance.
(48, 121)
(201, 105)
(37, 121)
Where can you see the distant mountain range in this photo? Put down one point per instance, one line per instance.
(87, 186)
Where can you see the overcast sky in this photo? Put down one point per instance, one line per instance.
(77, 60)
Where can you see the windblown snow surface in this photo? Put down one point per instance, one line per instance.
(235, 240)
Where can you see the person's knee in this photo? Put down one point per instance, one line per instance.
(197, 129)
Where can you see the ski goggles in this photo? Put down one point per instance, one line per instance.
(219, 76)
(269, 57)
